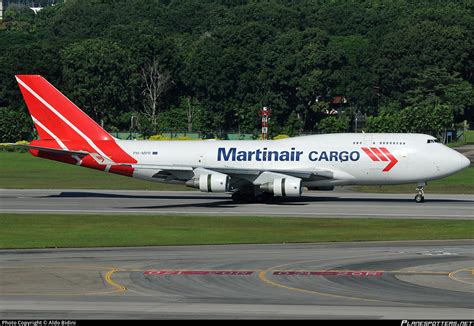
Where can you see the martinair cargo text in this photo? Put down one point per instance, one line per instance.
(250, 170)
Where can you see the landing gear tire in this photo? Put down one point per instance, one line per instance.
(239, 197)
(248, 197)
(419, 198)
(267, 198)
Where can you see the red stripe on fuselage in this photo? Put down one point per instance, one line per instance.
(371, 155)
(379, 154)
(393, 160)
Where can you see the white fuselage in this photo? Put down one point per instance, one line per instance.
(351, 158)
(250, 170)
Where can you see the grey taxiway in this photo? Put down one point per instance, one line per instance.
(375, 280)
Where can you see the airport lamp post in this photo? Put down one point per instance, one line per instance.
(265, 114)
(357, 118)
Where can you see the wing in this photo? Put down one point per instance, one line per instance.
(239, 177)
(306, 175)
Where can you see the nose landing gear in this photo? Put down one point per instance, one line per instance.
(420, 196)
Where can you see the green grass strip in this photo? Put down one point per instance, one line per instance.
(25, 171)
(46, 231)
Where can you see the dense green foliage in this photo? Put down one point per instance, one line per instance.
(408, 65)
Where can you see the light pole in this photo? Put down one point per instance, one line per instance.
(357, 117)
(265, 114)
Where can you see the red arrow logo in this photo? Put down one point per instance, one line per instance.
(381, 154)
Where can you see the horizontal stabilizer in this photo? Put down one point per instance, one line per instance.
(100, 159)
(46, 149)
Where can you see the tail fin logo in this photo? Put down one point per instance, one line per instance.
(59, 120)
(381, 154)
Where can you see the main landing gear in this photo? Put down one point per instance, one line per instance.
(420, 193)
(251, 197)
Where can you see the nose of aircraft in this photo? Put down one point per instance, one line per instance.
(449, 161)
(459, 161)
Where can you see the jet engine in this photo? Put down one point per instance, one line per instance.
(284, 187)
(212, 182)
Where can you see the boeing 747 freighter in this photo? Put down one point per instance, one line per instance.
(249, 170)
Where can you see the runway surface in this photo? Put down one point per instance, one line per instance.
(396, 280)
(312, 204)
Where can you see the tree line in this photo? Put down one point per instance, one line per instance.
(209, 66)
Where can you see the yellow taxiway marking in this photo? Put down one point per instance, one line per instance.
(262, 275)
(462, 280)
(108, 279)
(263, 278)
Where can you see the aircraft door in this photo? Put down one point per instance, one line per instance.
(368, 139)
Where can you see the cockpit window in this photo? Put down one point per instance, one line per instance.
(429, 141)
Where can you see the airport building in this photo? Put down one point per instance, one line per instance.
(33, 5)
